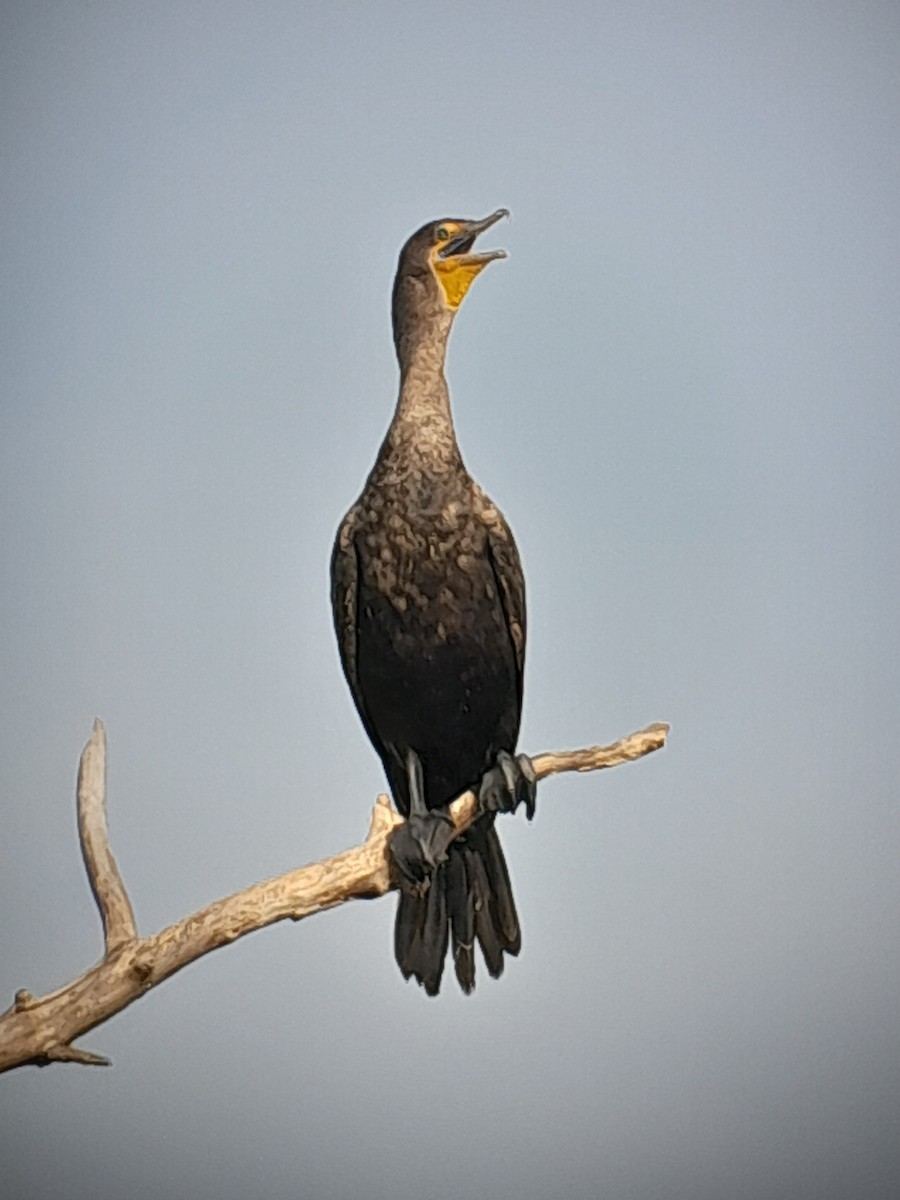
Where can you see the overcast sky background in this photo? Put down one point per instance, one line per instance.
(682, 389)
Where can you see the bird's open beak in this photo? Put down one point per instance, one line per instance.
(459, 247)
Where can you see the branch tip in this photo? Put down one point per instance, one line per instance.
(116, 913)
(72, 1054)
(384, 818)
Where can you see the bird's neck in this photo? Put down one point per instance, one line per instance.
(423, 421)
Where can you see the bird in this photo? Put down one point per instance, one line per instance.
(428, 599)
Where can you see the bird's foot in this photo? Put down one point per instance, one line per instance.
(418, 847)
(509, 783)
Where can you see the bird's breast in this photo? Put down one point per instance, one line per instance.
(426, 564)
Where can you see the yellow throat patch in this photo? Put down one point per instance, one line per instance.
(455, 278)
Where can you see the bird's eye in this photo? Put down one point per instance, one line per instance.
(443, 233)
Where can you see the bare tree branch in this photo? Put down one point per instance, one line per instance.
(41, 1029)
(106, 883)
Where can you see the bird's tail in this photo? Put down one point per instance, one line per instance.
(470, 897)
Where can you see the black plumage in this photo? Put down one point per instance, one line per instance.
(429, 607)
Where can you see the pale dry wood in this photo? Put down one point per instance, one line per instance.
(106, 882)
(41, 1029)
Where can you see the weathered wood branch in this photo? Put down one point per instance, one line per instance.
(41, 1029)
(106, 883)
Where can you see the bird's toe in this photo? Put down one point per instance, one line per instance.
(509, 783)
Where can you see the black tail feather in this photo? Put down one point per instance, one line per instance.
(461, 911)
(486, 924)
(420, 937)
(500, 888)
(470, 898)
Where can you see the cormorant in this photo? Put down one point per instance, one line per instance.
(429, 608)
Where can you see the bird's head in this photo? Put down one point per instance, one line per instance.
(437, 266)
(450, 254)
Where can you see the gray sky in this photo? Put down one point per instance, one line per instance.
(681, 388)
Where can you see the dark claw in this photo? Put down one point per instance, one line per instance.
(508, 784)
(527, 784)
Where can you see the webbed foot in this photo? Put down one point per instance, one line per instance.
(421, 843)
(509, 783)
(418, 846)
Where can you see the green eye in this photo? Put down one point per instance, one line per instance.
(443, 233)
